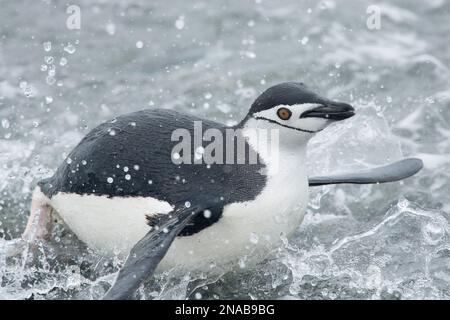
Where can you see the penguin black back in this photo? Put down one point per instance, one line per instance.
(131, 156)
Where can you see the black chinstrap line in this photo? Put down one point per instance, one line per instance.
(283, 125)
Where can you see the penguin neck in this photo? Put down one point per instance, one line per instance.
(281, 150)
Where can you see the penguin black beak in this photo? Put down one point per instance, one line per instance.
(333, 111)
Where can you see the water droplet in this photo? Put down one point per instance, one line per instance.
(179, 23)
(35, 123)
(70, 48)
(430, 100)
(187, 204)
(200, 150)
(254, 238)
(208, 95)
(176, 156)
(198, 295)
(28, 92)
(63, 61)
(127, 177)
(69, 161)
(224, 107)
(112, 132)
(110, 180)
(250, 54)
(125, 169)
(136, 167)
(49, 59)
(389, 99)
(23, 84)
(207, 214)
(44, 67)
(50, 80)
(150, 182)
(403, 203)
(48, 99)
(5, 123)
(83, 162)
(47, 46)
(110, 28)
(304, 40)
(139, 44)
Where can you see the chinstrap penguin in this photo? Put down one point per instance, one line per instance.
(121, 192)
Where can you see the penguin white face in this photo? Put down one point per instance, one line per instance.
(293, 107)
(294, 117)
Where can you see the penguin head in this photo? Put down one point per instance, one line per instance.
(294, 109)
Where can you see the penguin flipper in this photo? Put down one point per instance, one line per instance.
(145, 256)
(392, 172)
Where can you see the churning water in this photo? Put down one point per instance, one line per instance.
(364, 242)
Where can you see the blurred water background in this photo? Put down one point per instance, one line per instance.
(212, 59)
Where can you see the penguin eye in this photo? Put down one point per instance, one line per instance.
(284, 113)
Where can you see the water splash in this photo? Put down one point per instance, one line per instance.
(356, 241)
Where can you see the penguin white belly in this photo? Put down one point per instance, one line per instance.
(246, 231)
(109, 225)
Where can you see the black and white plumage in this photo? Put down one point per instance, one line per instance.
(119, 188)
(136, 162)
